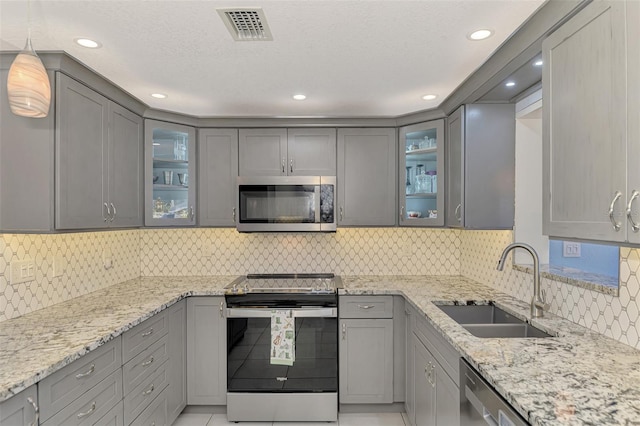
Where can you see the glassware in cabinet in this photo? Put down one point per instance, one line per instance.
(421, 156)
(170, 174)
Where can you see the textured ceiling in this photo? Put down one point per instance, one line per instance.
(351, 58)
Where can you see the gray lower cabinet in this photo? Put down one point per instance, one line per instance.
(433, 394)
(177, 364)
(287, 152)
(481, 167)
(206, 351)
(98, 160)
(20, 410)
(217, 173)
(366, 177)
(366, 350)
(155, 414)
(591, 124)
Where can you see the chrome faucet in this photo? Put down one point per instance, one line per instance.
(538, 302)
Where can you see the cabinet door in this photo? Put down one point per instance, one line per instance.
(206, 351)
(447, 398)
(455, 169)
(81, 156)
(262, 152)
(170, 174)
(366, 177)
(218, 170)
(125, 167)
(410, 394)
(584, 125)
(177, 364)
(311, 152)
(366, 361)
(21, 409)
(421, 165)
(425, 408)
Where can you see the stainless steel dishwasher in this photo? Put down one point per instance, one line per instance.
(480, 404)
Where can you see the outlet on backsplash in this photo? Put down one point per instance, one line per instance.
(22, 271)
(57, 266)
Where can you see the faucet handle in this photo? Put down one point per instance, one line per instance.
(544, 304)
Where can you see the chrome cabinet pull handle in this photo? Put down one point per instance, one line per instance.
(344, 331)
(192, 213)
(36, 412)
(233, 214)
(86, 373)
(147, 363)
(433, 375)
(148, 391)
(148, 333)
(221, 309)
(402, 213)
(341, 213)
(115, 212)
(635, 227)
(284, 162)
(616, 225)
(291, 165)
(366, 306)
(457, 214)
(89, 411)
(105, 218)
(426, 373)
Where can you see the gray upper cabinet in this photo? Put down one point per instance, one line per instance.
(590, 124)
(282, 152)
(366, 177)
(421, 166)
(218, 170)
(481, 167)
(170, 174)
(98, 160)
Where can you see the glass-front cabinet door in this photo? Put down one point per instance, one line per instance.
(421, 191)
(170, 156)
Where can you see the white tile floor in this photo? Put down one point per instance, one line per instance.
(347, 419)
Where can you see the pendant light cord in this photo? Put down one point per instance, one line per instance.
(29, 19)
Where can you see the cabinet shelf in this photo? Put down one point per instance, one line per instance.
(425, 154)
(162, 163)
(162, 187)
(423, 195)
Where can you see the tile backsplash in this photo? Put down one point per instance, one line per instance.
(349, 251)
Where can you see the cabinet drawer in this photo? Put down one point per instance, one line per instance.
(366, 307)
(143, 335)
(115, 417)
(94, 404)
(155, 414)
(140, 397)
(442, 351)
(64, 386)
(142, 365)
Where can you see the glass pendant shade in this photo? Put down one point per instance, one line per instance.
(28, 85)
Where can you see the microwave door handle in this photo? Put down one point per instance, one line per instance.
(318, 202)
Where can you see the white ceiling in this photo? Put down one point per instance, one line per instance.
(351, 58)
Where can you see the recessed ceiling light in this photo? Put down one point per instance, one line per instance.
(480, 34)
(159, 95)
(538, 63)
(429, 97)
(510, 84)
(87, 42)
(299, 97)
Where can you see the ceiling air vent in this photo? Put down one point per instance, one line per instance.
(246, 24)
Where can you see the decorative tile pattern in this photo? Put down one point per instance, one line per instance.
(350, 251)
(614, 316)
(81, 258)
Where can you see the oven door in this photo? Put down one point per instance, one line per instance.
(315, 369)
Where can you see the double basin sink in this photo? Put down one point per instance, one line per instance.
(489, 321)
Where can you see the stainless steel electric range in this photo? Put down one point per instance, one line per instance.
(270, 378)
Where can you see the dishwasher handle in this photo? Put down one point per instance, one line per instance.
(297, 313)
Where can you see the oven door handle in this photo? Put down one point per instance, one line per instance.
(297, 313)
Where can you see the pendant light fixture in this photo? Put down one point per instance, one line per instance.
(28, 85)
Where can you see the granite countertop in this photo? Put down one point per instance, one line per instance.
(576, 378)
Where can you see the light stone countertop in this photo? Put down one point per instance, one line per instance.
(577, 378)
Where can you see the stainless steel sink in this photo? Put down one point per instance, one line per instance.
(489, 321)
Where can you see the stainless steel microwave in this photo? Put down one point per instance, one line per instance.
(286, 203)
